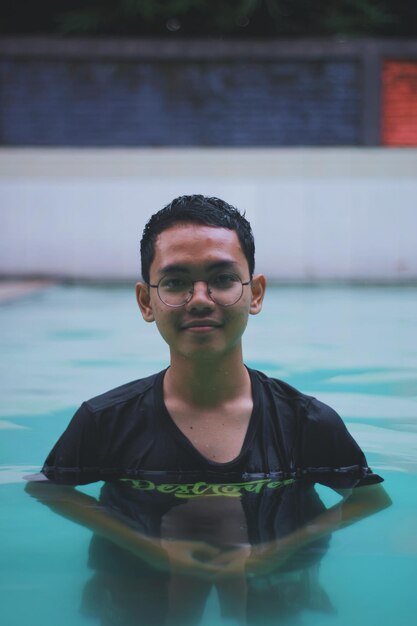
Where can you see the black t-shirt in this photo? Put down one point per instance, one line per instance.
(222, 514)
(250, 513)
(128, 431)
(157, 483)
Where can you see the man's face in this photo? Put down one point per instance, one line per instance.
(201, 327)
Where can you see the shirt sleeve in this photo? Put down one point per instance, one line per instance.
(329, 453)
(75, 458)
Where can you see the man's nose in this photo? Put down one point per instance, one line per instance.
(201, 297)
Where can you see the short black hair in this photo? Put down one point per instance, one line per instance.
(201, 210)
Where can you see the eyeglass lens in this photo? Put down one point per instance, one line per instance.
(224, 289)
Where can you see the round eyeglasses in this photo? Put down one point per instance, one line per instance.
(223, 289)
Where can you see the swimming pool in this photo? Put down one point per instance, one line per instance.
(353, 347)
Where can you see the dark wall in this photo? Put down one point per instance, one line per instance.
(90, 93)
(183, 103)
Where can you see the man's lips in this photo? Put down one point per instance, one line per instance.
(200, 325)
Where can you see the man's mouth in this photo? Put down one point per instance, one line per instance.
(201, 325)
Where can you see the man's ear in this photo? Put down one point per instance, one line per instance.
(144, 301)
(258, 286)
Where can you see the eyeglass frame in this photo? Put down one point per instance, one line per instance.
(199, 280)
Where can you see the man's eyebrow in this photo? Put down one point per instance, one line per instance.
(170, 269)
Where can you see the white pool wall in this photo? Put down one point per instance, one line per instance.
(317, 213)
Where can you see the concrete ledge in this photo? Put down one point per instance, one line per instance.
(42, 47)
(15, 290)
(255, 163)
(317, 214)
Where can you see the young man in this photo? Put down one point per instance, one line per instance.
(209, 423)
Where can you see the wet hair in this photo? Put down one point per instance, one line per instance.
(196, 209)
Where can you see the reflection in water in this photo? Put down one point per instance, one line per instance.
(226, 525)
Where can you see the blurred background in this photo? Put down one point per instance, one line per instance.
(302, 113)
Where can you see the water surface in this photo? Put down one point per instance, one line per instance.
(353, 347)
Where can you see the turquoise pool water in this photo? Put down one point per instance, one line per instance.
(355, 348)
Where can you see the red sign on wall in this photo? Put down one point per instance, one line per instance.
(399, 103)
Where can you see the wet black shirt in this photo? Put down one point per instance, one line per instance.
(128, 430)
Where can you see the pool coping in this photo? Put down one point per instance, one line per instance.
(11, 290)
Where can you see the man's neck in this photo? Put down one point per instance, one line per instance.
(207, 383)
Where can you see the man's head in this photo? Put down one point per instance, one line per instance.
(196, 209)
(199, 288)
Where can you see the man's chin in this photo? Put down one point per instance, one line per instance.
(206, 351)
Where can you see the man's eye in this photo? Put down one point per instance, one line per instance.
(225, 281)
(173, 284)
